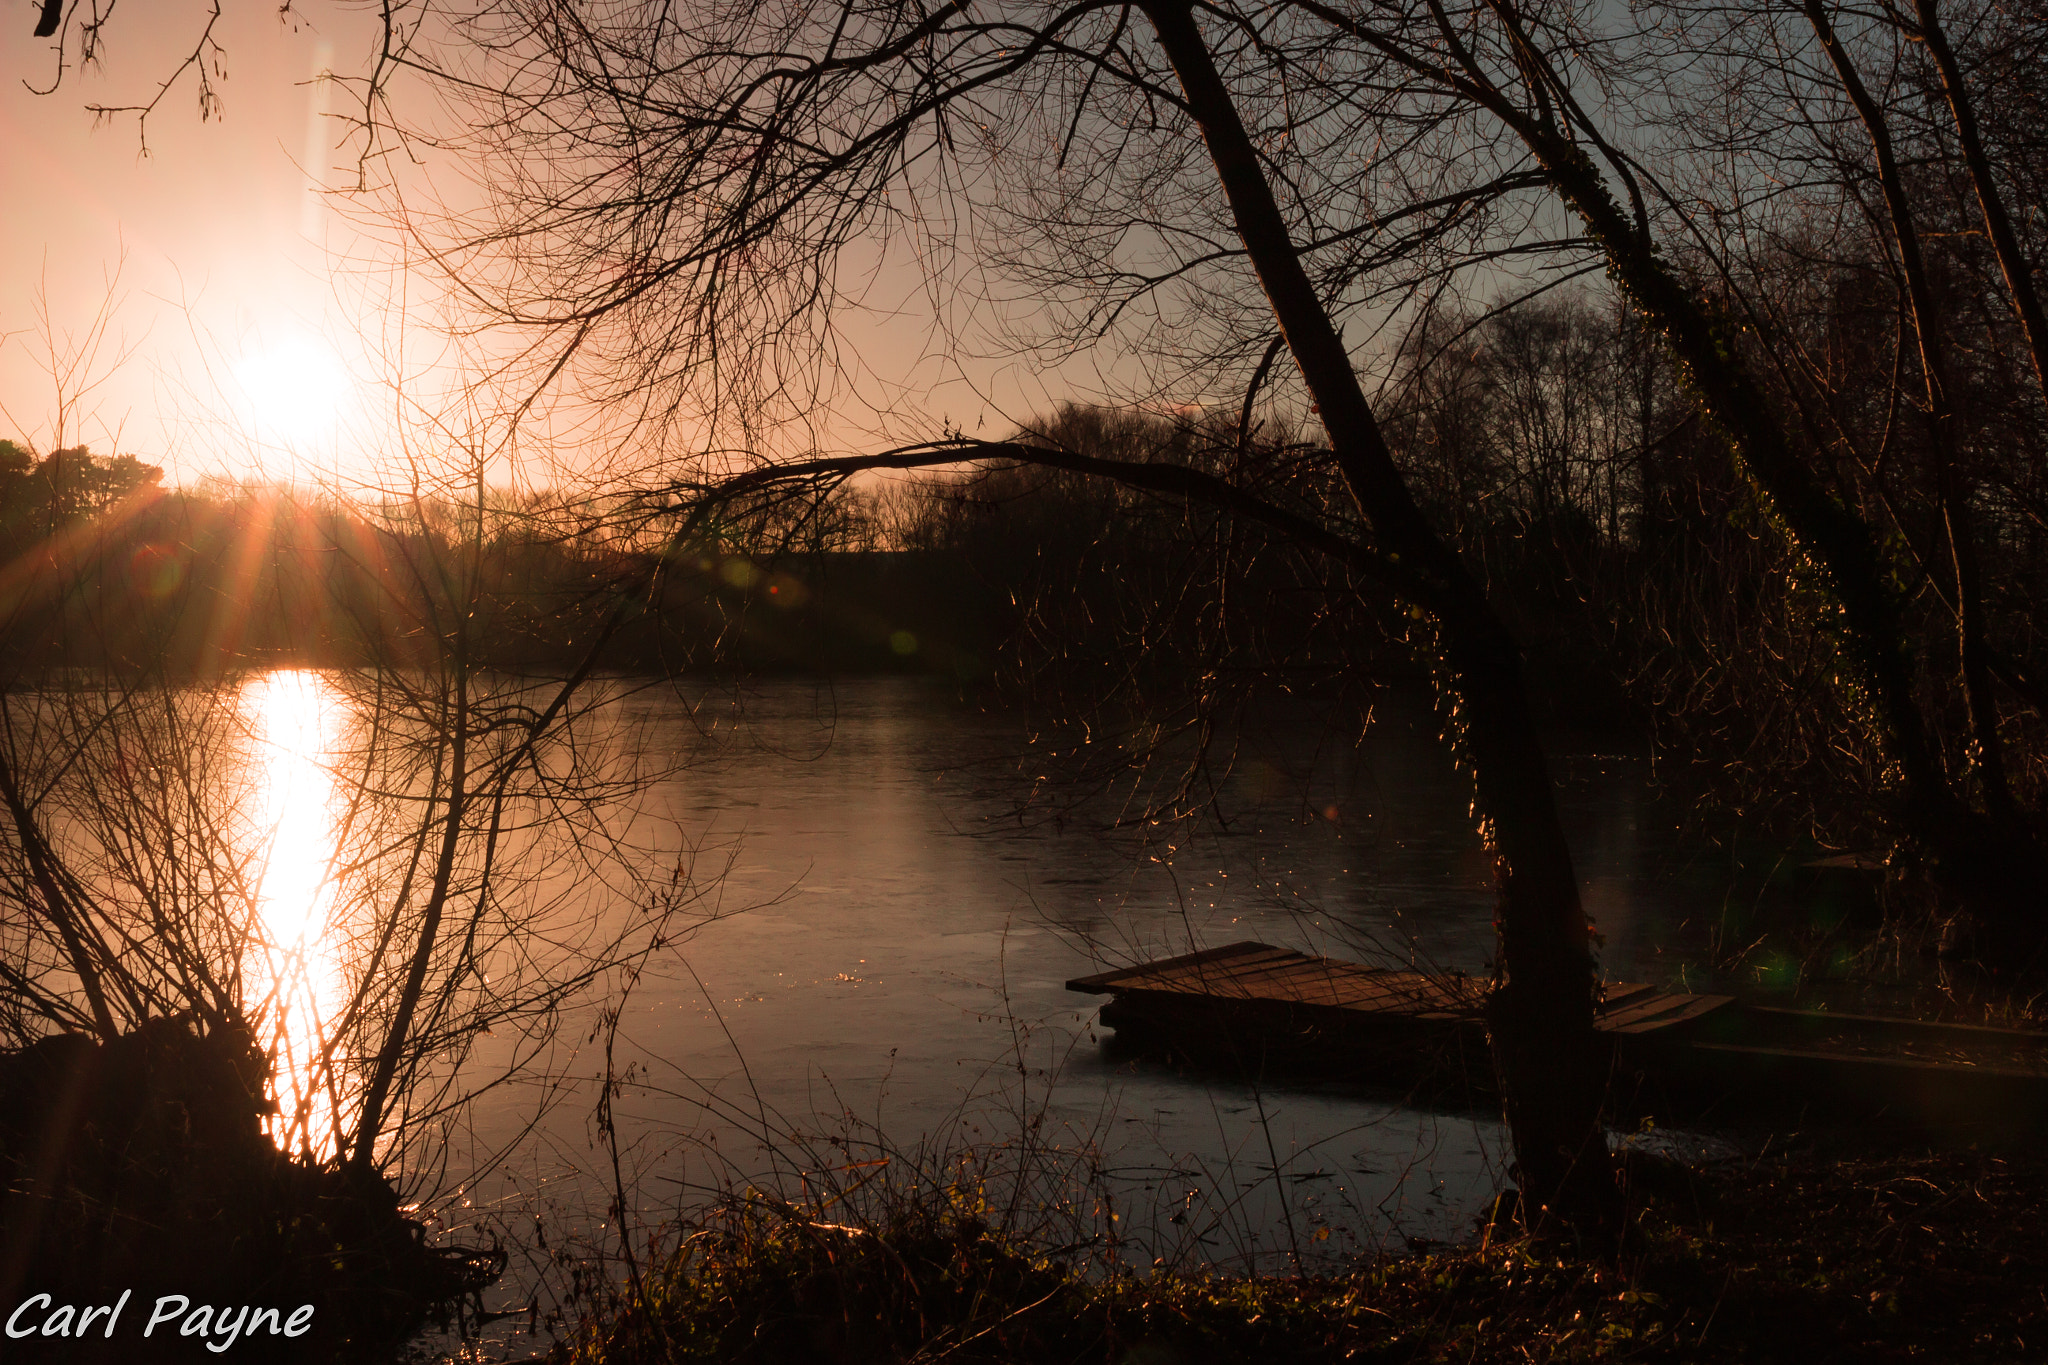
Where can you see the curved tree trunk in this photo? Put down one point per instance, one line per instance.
(1547, 1056)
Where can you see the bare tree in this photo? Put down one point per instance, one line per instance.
(419, 896)
(716, 168)
(1749, 369)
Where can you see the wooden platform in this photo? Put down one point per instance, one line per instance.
(1250, 972)
(1252, 1005)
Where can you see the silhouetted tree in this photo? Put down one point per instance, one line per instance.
(729, 162)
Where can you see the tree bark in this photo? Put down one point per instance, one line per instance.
(1546, 1053)
(1987, 750)
(2019, 278)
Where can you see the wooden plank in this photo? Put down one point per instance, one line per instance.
(1327, 982)
(1265, 997)
(1640, 1008)
(1279, 986)
(1228, 968)
(1615, 993)
(1646, 1010)
(1317, 991)
(1862, 1059)
(1987, 1033)
(1110, 980)
(1411, 992)
(1284, 963)
(1690, 1007)
(1200, 978)
(1254, 971)
(1400, 995)
(1284, 976)
(1226, 963)
(1105, 981)
(1395, 994)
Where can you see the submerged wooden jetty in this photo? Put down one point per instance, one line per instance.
(1676, 1053)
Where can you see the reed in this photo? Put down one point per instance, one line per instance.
(1797, 1258)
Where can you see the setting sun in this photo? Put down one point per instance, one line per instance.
(294, 390)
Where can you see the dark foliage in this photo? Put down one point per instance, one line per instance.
(142, 1166)
(1807, 1260)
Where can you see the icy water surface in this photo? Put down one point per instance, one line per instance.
(895, 970)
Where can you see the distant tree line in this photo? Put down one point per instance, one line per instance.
(39, 497)
(104, 567)
(1552, 440)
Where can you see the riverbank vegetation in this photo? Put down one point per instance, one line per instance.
(1805, 1256)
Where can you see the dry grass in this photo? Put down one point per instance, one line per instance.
(1798, 1258)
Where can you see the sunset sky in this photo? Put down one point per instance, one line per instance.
(241, 300)
(227, 289)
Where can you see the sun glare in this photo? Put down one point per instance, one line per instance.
(292, 391)
(295, 719)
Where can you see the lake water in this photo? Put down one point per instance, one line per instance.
(898, 977)
(901, 901)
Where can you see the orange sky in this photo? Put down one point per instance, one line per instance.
(220, 230)
(229, 255)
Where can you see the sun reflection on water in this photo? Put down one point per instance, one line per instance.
(295, 718)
